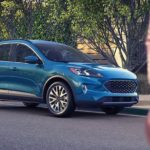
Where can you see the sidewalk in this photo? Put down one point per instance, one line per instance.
(144, 102)
(141, 108)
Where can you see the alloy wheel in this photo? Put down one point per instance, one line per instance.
(58, 98)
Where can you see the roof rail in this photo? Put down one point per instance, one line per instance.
(14, 39)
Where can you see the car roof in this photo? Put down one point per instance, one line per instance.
(52, 43)
(30, 41)
(13, 41)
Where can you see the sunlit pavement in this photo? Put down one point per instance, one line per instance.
(22, 128)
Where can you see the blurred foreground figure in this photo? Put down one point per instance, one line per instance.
(148, 68)
(148, 52)
(148, 127)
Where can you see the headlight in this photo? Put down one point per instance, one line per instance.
(86, 72)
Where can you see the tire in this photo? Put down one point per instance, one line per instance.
(111, 110)
(30, 105)
(59, 100)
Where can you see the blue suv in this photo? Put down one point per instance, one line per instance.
(38, 71)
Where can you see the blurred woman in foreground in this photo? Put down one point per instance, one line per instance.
(148, 68)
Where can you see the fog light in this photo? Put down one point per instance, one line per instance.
(84, 88)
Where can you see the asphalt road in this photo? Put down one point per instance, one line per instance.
(34, 129)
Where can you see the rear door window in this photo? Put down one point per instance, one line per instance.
(4, 52)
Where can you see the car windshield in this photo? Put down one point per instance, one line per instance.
(62, 53)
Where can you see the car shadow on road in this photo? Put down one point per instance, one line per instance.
(24, 110)
(43, 111)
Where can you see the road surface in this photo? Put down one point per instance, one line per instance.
(22, 128)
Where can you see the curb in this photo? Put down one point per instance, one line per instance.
(135, 111)
(129, 110)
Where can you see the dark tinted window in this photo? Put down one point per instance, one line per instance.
(20, 52)
(4, 52)
(60, 52)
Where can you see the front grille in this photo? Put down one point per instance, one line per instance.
(121, 86)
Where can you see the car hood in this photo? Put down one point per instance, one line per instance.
(108, 71)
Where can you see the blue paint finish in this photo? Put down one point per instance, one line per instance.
(4, 71)
(32, 78)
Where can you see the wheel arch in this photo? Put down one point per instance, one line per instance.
(56, 79)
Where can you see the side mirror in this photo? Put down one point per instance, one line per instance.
(32, 60)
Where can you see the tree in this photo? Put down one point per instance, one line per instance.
(115, 25)
(107, 26)
(37, 19)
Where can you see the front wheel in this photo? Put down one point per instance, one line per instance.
(111, 110)
(60, 99)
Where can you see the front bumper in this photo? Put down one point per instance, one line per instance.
(119, 101)
(93, 92)
(98, 98)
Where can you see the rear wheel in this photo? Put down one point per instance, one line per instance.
(60, 99)
(27, 104)
(111, 110)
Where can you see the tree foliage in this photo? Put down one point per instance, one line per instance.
(37, 19)
(107, 26)
(110, 26)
